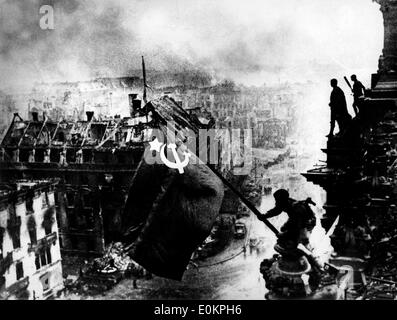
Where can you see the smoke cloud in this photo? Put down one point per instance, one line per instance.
(252, 41)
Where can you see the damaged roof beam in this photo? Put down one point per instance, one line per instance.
(41, 130)
(24, 133)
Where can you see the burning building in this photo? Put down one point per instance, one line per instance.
(30, 258)
(97, 163)
(94, 159)
(71, 100)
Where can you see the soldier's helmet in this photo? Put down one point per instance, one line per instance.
(281, 196)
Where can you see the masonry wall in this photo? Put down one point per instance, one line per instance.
(39, 281)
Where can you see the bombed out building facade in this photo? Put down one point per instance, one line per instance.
(30, 258)
(95, 161)
(67, 150)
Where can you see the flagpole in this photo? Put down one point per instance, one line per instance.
(144, 80)
(144, 87)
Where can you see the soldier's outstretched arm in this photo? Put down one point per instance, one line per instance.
(271, 213)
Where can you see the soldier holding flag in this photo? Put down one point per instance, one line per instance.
(358, 91)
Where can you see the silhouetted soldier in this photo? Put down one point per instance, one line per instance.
(338, 109)
(358, 91)
(301, 220)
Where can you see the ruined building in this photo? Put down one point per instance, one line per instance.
(71, 100)
(96, 162)
(30, 258)
(93, 160)
(360, 175)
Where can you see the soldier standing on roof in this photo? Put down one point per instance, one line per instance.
(358, 91)
(339, 111)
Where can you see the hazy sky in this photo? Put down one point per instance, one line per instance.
(251, 41)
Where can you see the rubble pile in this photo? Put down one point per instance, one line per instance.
(294, 279)
(377, 224)
(116, 259)
(103, 273)
(379, 291)
(382, 271)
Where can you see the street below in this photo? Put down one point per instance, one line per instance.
(234, 272)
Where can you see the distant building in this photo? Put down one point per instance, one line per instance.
(30, 259)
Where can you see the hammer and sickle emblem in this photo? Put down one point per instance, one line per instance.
(178, 164)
